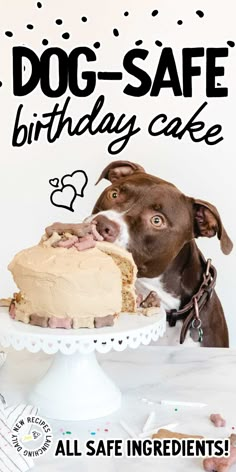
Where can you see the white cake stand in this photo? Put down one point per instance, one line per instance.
(75, 387)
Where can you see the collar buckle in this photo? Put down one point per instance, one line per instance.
(171, 318)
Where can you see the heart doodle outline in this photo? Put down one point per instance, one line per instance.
(52, 184)
(70, 208)
(81, 194)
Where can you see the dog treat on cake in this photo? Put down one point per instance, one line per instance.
(150, 305)
(217, 420)
(152, 300)
(104, 321)
(5, 302)
(150, 311)
(59, 322)
(79, 230)
(167, 434)
(12, 310)
(72, 280)
(38, 320)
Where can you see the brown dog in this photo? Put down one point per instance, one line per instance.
(158, 224)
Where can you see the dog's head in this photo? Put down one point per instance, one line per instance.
(151, 217)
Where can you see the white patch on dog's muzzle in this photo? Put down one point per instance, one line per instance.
(122, 239)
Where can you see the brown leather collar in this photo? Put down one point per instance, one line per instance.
(192, 310)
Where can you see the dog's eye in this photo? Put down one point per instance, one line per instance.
(113, 194)
(157, 221)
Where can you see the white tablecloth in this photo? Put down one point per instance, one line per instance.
(150, 373)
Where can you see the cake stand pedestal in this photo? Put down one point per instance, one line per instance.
(75, 387)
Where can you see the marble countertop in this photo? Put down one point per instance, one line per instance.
(148, 373)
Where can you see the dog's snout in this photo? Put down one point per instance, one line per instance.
(108, 229)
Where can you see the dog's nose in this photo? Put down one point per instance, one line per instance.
(108, 229)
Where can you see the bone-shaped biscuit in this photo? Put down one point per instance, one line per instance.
(150, 311)
(87, 322)
(87, 242)
(101, 321)
(80, 229)
(5, 302)
(60, 322)
(52, 240)
(12, 310)
(218, 421)
(167, 434)
(151, 300)
(220, 464)
(68, 243)
(37, 320)
(21, 316)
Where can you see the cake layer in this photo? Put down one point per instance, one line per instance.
(122, 258)
(126, 264)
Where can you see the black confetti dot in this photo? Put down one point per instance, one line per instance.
(0, 84)
(65, 35)
(9, 34)
(138, 42)
(45, 42)
(96, 45)
(34, 114)
(126, 13)
(24, 68)
(84, 19)
(116, 32)
(231, 44)
(179, 22)
(39, 5)
(59, 21)
(218, 83)
(158, 43)
(200, 13)
(154, 12)
(30, 27)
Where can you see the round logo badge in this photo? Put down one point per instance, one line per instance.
(31, 436)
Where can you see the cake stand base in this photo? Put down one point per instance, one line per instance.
(75, 388)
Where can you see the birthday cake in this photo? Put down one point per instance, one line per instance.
(68, 281)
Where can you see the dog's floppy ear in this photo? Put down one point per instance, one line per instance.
(117, 169)
(207, 222)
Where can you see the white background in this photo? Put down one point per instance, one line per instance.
(201, 171)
